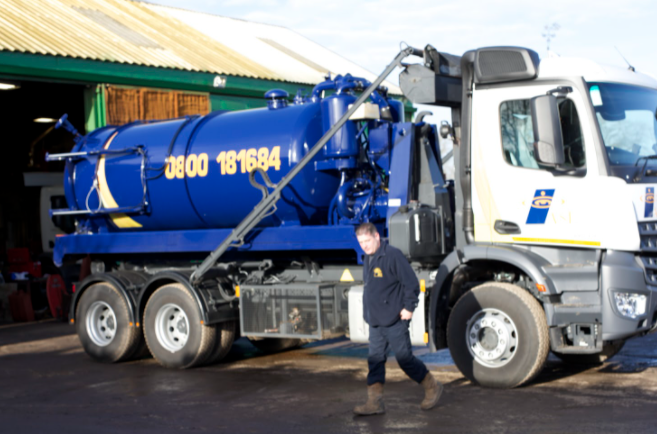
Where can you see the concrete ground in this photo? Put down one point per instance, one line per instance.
(48, 384)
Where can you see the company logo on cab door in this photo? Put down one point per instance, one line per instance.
(649, 199)
(540, 207)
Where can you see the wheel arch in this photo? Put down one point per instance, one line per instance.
(165, 278)
(113, 279)
(527, 262)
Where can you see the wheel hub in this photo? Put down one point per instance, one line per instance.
(488, 339)
(492, 338)
(182, 326)
(101, 323)
(171, 327)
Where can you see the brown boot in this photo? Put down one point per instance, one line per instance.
(374, 404)
(432, 392)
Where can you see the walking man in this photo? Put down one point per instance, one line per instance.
(390, 297)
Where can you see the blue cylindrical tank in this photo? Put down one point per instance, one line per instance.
(203, 181)
(343, 143)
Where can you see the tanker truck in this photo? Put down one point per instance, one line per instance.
(202, 229)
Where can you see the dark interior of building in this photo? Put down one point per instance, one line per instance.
(27, 115)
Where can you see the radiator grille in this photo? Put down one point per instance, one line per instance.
(648, 255)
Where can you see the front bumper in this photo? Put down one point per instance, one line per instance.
(626, 272)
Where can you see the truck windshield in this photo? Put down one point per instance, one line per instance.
(626, 115)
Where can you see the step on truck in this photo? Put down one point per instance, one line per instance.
(205, 228)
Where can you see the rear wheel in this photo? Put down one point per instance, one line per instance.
(174, 330)
(224, 337)
(609, 350)
(497, 335)
(272, 345)
(103, 324)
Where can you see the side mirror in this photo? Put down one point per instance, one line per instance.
(548, 140)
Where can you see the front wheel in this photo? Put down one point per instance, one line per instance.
(497, 335)
(174, 330)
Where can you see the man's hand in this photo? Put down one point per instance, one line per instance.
(406, 315)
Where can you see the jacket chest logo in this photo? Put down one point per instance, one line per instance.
(377, 272)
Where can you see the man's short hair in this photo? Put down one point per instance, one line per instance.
(366, 229)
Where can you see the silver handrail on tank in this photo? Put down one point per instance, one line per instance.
(69, 156)
(261, 210)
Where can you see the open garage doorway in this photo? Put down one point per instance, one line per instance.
(28, 111)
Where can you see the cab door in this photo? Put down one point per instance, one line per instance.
(515, 198)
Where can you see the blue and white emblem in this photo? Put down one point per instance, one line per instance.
(650, 201)
(540, 207)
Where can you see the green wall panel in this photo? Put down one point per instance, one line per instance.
(225, 102)
(94, 108)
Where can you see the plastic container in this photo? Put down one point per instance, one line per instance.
(20, 305)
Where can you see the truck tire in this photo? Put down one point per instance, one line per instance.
(224, 337)
(174, 330)
(273, 345)
(103, 324)
(609, 350)
(498, 336)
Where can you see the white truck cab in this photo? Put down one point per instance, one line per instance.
(555, 179)
(599, 200)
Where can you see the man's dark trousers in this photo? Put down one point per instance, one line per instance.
(395, 337)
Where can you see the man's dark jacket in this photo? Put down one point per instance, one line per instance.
(390, 286)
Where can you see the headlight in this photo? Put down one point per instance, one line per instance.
(630, 305)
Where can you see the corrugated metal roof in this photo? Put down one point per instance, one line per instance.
(139, 33)
(281, 50)
(117, 31)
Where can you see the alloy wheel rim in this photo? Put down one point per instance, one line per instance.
(492, 338)
(172, 327)
(101, 323)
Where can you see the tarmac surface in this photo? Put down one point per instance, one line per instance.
(48, 384)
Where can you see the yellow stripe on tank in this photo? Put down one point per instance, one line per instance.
(555, 241)
(107, 200)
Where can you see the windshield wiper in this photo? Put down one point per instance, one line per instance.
(642, 173)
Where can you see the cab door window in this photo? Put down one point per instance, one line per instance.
(518, 134)
(573, 142)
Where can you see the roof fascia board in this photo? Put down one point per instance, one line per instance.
(70, 69)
